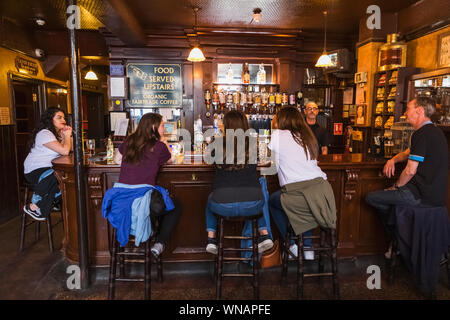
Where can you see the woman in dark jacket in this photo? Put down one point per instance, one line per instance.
(236, 189)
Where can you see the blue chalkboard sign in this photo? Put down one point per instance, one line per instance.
(154, 85)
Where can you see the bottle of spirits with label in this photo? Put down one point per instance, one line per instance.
(246, 74)
(230, 75)
(208, 103)
(222, 99)
(109, 151)
(215, 100)
(261, 75)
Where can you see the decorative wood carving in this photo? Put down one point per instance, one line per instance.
(95, 190)
(351, 183)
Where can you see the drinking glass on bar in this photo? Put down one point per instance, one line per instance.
(90, 146)
(388, 149)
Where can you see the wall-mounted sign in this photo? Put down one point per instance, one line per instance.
(116, 70)
(88, 86)
(154, 85)
(27, 66)
(337, 129)
(4, 116)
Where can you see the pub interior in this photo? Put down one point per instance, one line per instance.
(107, 63)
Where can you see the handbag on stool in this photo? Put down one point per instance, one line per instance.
(271, 258)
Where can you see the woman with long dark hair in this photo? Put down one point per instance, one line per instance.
(140, 157)
(236, 190)
(51, 139)
(306, 199)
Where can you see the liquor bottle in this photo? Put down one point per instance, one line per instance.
(284, 99)
(278, 99)
(264, 100)
(215, 100)
(230, 76)
(299, 99)
(208, 103)
(250, 99)
(292, 99)
(222, 100)
(109, 151)
(261, 75)
(229, 100)
(236, 98)
(246, 74)
(243, 100)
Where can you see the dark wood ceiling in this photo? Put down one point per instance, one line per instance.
(344, 15)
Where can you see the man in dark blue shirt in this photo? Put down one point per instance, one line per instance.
(424, 179)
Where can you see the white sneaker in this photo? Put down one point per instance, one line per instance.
(211, 248)
(293, 249)
(157, 249)
(309, 255)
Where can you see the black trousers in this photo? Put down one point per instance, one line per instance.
(167, 222)
(45, 188)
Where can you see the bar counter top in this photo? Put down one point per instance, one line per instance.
(351, 176)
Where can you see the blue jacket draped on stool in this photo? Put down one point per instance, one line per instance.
(127, 208)
(423, 235)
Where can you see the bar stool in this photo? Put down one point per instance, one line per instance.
(220, 259)
(37, 224)
(325, 248)
(122, 256)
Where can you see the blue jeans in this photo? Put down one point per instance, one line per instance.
(281, 219)
(233, 209)
(385, 200)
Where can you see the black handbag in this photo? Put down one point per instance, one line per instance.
(157, 205)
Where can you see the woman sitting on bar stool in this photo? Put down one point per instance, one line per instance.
(236, 189)
(51, 139)
(140, 157)
(306, 199)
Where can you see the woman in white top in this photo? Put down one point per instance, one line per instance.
(296, 150)
(51, 139)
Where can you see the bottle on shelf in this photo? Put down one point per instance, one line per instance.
(109, 151)
(261, 75)
(230, 76)
(264, 99)
(208, 103)
(222, 99)
(236, 98)
(292, 99)
(215, 100)
(284, 99)
(246, 74)
(229, 100)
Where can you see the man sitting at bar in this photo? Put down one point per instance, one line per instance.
(424, 179)
(311, 112)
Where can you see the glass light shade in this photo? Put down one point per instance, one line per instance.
(196, 55)
(324, 61)
(90, 75)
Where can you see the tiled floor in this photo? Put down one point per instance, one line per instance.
(37, 274)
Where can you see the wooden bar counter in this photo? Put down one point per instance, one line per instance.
(352, 177)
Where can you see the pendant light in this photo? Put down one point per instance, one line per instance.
(196, 55)
(324, 60)
(90, 75)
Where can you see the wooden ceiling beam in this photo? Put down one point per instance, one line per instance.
(124, 24)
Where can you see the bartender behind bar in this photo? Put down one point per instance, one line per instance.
(311, 112)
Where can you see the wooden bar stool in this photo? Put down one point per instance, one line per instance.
(325, 248)
(220, 259)
(129, 254)
(37, 224)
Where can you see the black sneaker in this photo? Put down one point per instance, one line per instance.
(211, 247)
(32, 213)
(264, 243)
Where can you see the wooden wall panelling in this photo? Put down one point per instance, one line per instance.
(9, 195)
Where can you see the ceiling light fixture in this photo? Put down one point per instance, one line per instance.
(324, 60)
(39, 21)
(257, 15)
(90, 75)
(196, 54)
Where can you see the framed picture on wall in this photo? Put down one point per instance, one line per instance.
(443, 50)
